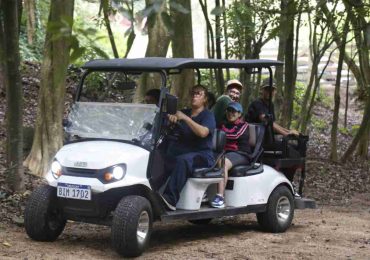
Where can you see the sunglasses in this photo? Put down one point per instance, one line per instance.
(196, 93)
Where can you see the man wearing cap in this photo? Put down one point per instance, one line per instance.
(259, 109)
(233, 91)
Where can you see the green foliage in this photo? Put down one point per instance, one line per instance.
(324, 99)
(343, 130)
(240, 28)
(60, 29)
(300, 89)
(34, 51)
(354, 129)
(319, 123)
(250, 23)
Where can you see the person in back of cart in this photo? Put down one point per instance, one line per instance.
(258, 111)
(232, 94)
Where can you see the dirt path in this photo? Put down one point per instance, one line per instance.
(325, 233)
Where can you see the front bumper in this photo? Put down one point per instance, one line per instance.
(100, 205)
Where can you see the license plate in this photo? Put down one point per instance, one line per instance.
(74, 191)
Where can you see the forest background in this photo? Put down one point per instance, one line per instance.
(53, 38)
(323, 91)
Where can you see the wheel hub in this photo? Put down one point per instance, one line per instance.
(283, 209)
(142, 227)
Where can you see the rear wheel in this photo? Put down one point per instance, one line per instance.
(132, 226)
(43, 220)
(204, 221)
(280, 211)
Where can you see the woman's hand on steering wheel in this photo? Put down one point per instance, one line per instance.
(173, 119)
(177, 117)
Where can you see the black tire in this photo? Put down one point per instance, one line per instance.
(204, 221)
(43, 220)
(126, 239)
(281, 199)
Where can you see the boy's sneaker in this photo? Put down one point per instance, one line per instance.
(168, 204)
(218, 202)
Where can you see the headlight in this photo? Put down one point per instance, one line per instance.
(118, 172)
(56, 169)
(115, 173)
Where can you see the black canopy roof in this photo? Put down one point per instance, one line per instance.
(160, 63)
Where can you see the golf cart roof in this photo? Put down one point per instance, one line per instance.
(161, 63)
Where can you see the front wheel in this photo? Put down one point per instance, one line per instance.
(132, 226)
(43, 220)
(280, 211)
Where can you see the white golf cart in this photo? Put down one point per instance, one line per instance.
(111, 170)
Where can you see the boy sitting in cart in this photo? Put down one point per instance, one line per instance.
(237, 147)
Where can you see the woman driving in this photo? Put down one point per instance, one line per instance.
(193, 148)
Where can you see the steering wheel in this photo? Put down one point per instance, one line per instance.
(173, 131)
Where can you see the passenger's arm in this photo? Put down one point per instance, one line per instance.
(283, 131)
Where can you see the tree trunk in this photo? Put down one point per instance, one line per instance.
(20, 11)
(105, 8)
(182, 47)
(317, 78)
(158, 42)
(361, 34)
(296, 47)
(219, 74)
(31, 20)
(226, 38)
(2, 56)
(334, 128)
(287, 106)
(347, 100)
(357, 13)
(279, 72)
(48, 133)
(362, 131)
(246, 78)
(301, 125)
(3, 75)
(14, 94)
(315, 57)
(361, 84)
(131, 37)
(210, 39)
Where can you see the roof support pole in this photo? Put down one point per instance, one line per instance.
(79, 88)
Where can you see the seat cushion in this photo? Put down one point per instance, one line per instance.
(207, 173)
(246, 170)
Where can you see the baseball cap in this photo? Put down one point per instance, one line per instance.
(237, 106)
(266, 83)
(235, 83)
